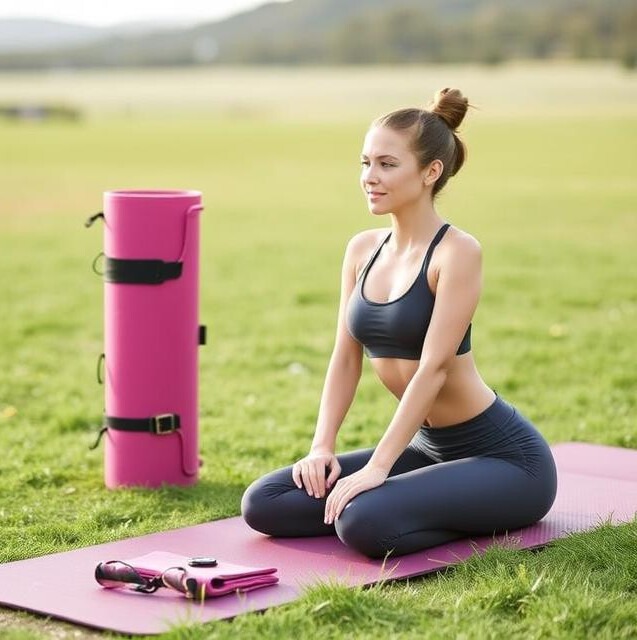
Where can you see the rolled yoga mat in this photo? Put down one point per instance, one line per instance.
(151, 337)
(595, 484)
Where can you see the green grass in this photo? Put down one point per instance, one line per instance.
(551, 199)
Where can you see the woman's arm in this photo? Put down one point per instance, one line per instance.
(457, 295)
(341, 380)
(345, 366)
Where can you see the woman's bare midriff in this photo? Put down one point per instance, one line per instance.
(463, 396)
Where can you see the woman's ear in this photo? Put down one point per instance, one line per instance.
(432, 172)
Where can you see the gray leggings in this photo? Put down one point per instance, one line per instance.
(490, 474)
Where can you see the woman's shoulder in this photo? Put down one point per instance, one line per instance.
(361, 245)
(457, 246)
(366, 240)
(459, 237)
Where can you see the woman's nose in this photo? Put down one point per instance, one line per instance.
(369, 176)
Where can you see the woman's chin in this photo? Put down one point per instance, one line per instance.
(377, 210)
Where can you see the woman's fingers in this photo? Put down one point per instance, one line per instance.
(343, 500)
(314, 482)
(348, 488)
(300, 475)
(309, 474)
(296, 475)
(337, 501)
(305, 471)
(334, 473)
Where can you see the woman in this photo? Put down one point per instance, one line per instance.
(456, 459)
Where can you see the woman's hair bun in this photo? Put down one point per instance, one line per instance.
(451, 106)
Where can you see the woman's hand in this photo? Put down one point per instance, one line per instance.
(310, 472)
(349, 487)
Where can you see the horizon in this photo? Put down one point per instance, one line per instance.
(119, 12)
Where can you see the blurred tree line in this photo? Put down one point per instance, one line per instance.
(493, 34)
(374, 32)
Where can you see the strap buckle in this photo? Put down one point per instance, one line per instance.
(164, 424)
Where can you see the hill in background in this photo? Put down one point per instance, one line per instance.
(342, 32)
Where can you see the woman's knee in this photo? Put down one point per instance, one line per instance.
(371, 532)
(258, 504)
(361, 527)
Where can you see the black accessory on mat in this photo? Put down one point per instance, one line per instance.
(116, 575)
(202, 561)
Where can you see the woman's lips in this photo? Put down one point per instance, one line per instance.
(374, 195)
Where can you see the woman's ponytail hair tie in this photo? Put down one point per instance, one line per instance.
(451, 106)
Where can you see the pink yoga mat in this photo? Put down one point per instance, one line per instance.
(595, 484)
(151, 338)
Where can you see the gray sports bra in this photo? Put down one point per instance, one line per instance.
(396, 329)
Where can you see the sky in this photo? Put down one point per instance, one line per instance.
(109, 12)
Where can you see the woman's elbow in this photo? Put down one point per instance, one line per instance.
(434, 370)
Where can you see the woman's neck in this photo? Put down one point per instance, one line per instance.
(414, 228)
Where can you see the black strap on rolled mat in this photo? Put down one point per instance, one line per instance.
(159, 425)
(202, 334)
(125, 271)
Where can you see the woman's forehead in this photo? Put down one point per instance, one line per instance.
(381, 141)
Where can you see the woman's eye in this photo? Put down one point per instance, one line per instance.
(366, 163)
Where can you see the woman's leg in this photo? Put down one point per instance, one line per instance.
(274, 505)
(426, 507)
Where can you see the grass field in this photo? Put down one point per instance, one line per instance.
(549, 190)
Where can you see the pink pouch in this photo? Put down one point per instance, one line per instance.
(209, 582)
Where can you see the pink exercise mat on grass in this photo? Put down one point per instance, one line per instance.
(595, 484)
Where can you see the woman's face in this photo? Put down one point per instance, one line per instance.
(390, 175)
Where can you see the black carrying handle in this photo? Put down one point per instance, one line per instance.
(89, 222)
(100, 368)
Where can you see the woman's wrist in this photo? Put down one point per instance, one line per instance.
(322, 447)
(379, 466)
